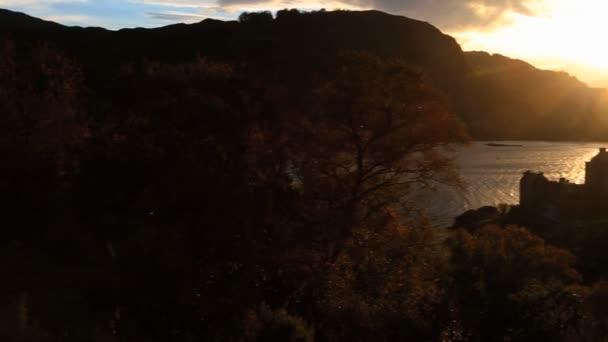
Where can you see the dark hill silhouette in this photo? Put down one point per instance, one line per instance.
(297, 43)
(16, 20)
(498, 98)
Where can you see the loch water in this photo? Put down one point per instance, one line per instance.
(491, 174)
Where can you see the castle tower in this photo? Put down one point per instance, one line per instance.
(596, 174)
(533, 189)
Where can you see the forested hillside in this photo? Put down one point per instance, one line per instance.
(511, 99)
(496, 97)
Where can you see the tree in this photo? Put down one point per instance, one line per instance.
(42, 129)
(509, 283)
(264, 324)
(41, 106)
(169, 147)
(375, 133)
(387, 284)
(288, 14)
(197, 191)
(256, 18)
(592, 322)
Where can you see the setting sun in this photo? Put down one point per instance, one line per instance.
(557, 34)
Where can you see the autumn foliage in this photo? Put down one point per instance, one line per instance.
(205, 200)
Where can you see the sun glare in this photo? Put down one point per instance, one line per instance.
(558, 34)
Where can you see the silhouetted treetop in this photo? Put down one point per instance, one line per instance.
(256, 18)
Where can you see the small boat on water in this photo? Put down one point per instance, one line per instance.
(503, 145)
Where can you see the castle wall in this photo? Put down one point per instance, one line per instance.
(564, 198)
(568, 199)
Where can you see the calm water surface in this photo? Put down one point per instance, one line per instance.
(492, 174)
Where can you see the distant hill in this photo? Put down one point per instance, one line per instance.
(511, 99)
(497, 97)
(599, 83)
(307, 38)
(10, 20)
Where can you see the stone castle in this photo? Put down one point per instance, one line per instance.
(566, 199)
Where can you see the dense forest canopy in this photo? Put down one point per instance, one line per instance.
(249, 181)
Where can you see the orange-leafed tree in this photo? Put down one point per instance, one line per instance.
(387, 283)
(376, 131)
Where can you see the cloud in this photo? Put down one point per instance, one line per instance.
(447, 14)
(45, 9)
(451, 14)
(77, 19)
(35, 5)
(176, 16)
(245, 5)
(34, 2)
(177, 3)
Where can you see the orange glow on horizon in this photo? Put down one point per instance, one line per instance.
(561, 35)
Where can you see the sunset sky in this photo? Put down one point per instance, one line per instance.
(552, 34)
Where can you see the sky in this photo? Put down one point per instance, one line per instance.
(566, 35)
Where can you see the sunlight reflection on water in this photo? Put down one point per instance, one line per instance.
(492, 174)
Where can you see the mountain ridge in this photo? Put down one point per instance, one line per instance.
(497, 97)
(12, 19)
(510, 91)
